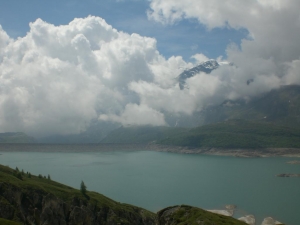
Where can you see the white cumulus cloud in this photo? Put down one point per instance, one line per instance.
(269, 56)
(56, 79)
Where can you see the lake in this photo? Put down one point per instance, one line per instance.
(154, 180)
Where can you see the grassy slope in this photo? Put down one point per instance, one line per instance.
(8, 222)
(238, 134)
(62, 191)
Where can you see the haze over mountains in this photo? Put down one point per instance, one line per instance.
(280, 106)
(272, 110)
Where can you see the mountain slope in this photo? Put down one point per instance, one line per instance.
(237, 134)
(228, 134)
(141, 134)
(17, 137)
(29, 199)
(280, 106)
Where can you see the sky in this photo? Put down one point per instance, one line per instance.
(185, 38)
(66, 63)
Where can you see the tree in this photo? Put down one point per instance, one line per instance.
(82, 188)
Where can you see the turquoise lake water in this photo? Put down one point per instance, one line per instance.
(154, 180)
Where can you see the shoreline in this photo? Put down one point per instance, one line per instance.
(244, 153)
(239, 152)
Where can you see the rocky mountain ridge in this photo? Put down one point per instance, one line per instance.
(205, 67)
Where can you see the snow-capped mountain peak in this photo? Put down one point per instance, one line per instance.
(205, 67)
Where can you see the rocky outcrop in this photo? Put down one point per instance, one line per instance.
(191, 215)
(288, 175)
(271, 221)
(33, 206)
(249, 219)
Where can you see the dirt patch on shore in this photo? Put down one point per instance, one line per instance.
(264, 152)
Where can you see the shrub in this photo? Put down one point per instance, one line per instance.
(82, 188)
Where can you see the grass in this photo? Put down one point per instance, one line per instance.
(8, 222)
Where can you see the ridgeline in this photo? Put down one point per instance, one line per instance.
(231, 134)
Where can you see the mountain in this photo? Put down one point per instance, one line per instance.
(29, 199)
(15, 137)
(231, 134)
(237, 134)
(96, 131)
(205, 67)
(141, 134)
(270, 120)
(280, 106)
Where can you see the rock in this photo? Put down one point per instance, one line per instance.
(249, 219)
(294, 162)
(288, 175)
(184, 214)
(228, 211)
(270, 221)
(53, 211)
(230, 207)
(222, 212)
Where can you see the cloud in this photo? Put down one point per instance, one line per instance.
(269, 56)
(134, 114)
(4, 40)
(199, 58)
(57, 79)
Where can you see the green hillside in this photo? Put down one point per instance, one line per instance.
(229, 134)
(29, 199)
(238, 134)
(17, 137)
